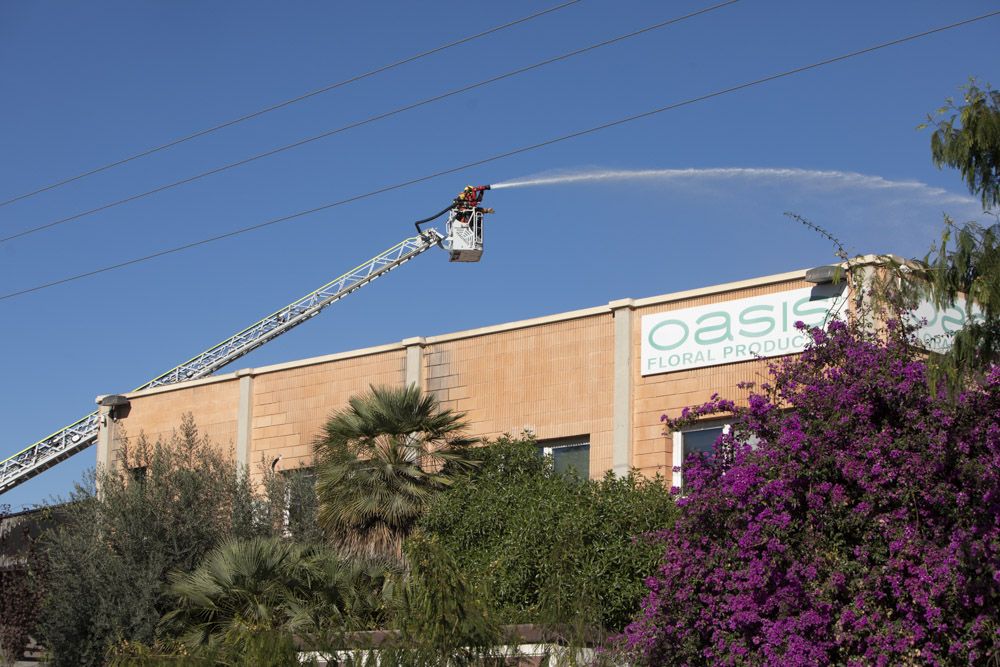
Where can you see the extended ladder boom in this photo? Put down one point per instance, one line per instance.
(81, 434)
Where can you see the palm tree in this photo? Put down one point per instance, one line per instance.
(244, 588)
(379, 462)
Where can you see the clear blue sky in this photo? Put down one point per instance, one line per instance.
(86, 83)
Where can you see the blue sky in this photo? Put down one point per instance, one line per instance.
(87, 83)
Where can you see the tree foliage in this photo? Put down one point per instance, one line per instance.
(163, 509)
(379, 463)
(551, 548)
(969, 140)
(21, 589)
(860, 528)
(964, 267)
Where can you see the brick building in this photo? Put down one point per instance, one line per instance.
(591, 384)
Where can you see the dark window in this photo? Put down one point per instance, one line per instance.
(569, 454)
(300, 500)
(697, 439)
(701, 440)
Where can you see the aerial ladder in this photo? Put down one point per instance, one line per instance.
(463, 239)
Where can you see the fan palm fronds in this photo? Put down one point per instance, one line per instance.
(247, 587)
(380, 461)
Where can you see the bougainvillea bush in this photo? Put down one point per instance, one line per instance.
(861, 528)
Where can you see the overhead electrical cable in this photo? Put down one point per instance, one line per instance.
(510, 153)
(293, 100)
(366, 121)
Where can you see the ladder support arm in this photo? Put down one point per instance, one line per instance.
(82, 433)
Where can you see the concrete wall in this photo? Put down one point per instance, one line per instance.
(570, 374)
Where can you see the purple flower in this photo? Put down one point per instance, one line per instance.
(861, 529)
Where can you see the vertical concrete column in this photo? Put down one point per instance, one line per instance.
(413, 369)
(244, 419)
(621, 441)
(105, 436)
(109, 408)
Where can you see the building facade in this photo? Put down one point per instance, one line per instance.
(590, 384)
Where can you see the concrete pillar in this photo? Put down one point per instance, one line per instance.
(244, 419)
(414, 362)
(109, 408)
(105, 436)
(621, 442)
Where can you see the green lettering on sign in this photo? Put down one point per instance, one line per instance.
(757, 321)
(821, 309)
(680, 341)
(723, 328)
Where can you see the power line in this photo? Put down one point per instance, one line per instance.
(510, 153)
(288, 102)
(366, 121)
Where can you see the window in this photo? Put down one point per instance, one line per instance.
(299, 488)
(138, 474)
(697, 438)
(569, 454)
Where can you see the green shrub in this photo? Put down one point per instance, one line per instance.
(437, 611)
(258, 649)
(548, 547)
(163, 510)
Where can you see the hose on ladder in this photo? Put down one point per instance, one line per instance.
(433, 217)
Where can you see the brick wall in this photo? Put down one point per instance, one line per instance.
(158, 415)
(554, 379)
(553, 375)
(291, 405)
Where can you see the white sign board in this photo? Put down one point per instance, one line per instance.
(937, 327)
(725, 333)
